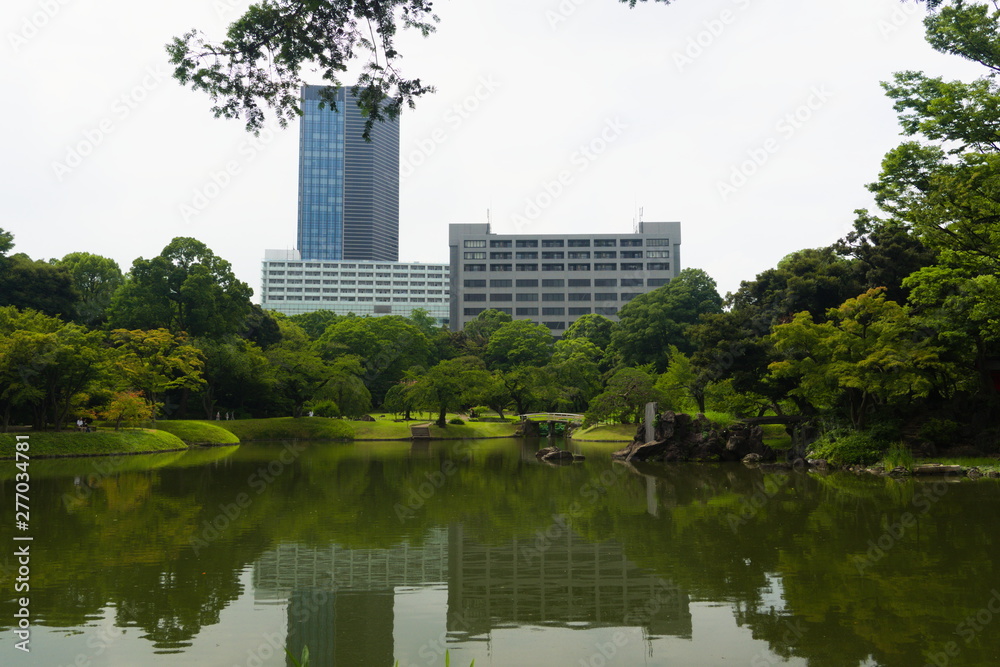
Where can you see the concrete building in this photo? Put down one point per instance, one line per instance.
(292, 285)
(553, 279)
(348, 188)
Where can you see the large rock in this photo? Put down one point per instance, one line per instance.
(680, 437)
(554, 454)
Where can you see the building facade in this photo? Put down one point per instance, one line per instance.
(292, 285)
(553, 279)
(348, 188)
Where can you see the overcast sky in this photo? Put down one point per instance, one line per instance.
(756, 124)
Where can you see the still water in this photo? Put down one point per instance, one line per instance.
(373, 553)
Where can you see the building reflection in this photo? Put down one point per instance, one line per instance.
(340, 601)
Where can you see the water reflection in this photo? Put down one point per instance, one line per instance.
(370, 553)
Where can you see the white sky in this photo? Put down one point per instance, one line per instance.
(91, 75)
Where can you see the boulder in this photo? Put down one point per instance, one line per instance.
(553, 453)
(679, 437)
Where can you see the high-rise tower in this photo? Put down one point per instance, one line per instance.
(348, 188)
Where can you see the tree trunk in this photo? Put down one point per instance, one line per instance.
(443, 416)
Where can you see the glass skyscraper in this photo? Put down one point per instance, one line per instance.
(348, 188)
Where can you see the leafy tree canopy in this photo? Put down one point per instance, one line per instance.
(184, 288)
(652, 322)
(595, 328)
(519, 343)
(96, 279)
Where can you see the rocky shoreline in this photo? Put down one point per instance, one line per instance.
(682, 438)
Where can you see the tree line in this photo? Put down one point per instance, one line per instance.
(892, 329)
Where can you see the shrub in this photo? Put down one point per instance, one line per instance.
(898, 456)
(325, 409)
(456, 421)
(852, 448)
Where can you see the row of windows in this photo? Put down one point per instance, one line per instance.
(352, 290)
(573, 254)
(550, 312)
(383, 299)
(569, 243)
(398, 283)
(623, 266)
(549, 296)
(351, 274)
(563, 282)
(387, 267)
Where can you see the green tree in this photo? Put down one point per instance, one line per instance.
(316, 322)
(869, 354)
(156, 361)
(946, 183)
(346, 387)
(682, 385)
(961, 309)
(652, 322)
(46, 365)
(237, 376)
(519, 343)
(130, 407)
(184, 288)
(449, 385)
(260, 60)
(595, 328)
(573, 375)
(388, 346)
(96, 279)
(625, 397)
(300, 372)
(478, 331)
(27, 283)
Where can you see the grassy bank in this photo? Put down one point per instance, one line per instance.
(287, 428)
(197, 432)
(100, 442)
(606, 433)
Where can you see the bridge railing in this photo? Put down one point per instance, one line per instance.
(551, 416)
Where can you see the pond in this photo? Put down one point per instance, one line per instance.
(372, 553)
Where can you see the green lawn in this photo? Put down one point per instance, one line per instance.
(382, 430)
(288, 428)
(473, 430)
(606, 432)
(198, 432)
(102, 441)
